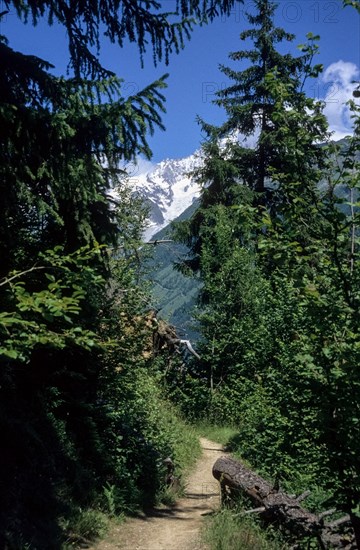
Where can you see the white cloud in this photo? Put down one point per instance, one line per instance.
(144, 166)
(337, 84)
(137, 167)
(248, 142)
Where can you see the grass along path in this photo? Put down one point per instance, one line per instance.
(173, 527)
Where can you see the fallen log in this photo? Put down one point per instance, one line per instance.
(276, 506)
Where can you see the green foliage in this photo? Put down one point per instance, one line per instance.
(82, 405)
(278, 257)
(47, 317)
(88, 421)
(85, 524)
(267, 97)
(110, 498)
(81, 410)
(54, 144)
(352, 3)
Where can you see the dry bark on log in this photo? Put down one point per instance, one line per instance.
(277, 506)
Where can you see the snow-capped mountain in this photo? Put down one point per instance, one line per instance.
(168, 190)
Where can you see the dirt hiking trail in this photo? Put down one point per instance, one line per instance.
(175, 527)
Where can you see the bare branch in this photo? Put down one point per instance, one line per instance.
(327, 513)
(187, 343)
(189, 347)
(255, 510)
(160, 241)
(7, 280)
(303, 496)
(341, 521)
(280, 507)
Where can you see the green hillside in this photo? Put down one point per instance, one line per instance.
(174, 294)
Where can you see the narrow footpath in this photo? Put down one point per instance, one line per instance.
(174, 527)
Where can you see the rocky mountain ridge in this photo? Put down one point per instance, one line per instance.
(168, 190)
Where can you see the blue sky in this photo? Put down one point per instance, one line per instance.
(194, 74)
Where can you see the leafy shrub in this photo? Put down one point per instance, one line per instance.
(86, 524)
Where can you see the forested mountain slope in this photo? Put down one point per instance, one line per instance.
(174, 294)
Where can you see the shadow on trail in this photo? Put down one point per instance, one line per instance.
(172, 513)
(197, 496)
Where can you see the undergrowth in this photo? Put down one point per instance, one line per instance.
(228, 530)
(216, 432)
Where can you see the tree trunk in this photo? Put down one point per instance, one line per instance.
(355, 522)
(274, 505)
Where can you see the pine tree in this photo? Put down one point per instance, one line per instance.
(255, 106)
(57, 134)
(144, 23)
(280, 352)
(63, 305)
(265, 102)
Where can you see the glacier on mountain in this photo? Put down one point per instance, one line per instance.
(167, 189)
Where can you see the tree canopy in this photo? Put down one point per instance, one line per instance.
(83, 408)
(79, 398)
(275, 242)
(141, 21)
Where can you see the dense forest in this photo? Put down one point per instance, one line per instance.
(89, 406)
(279, 261)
